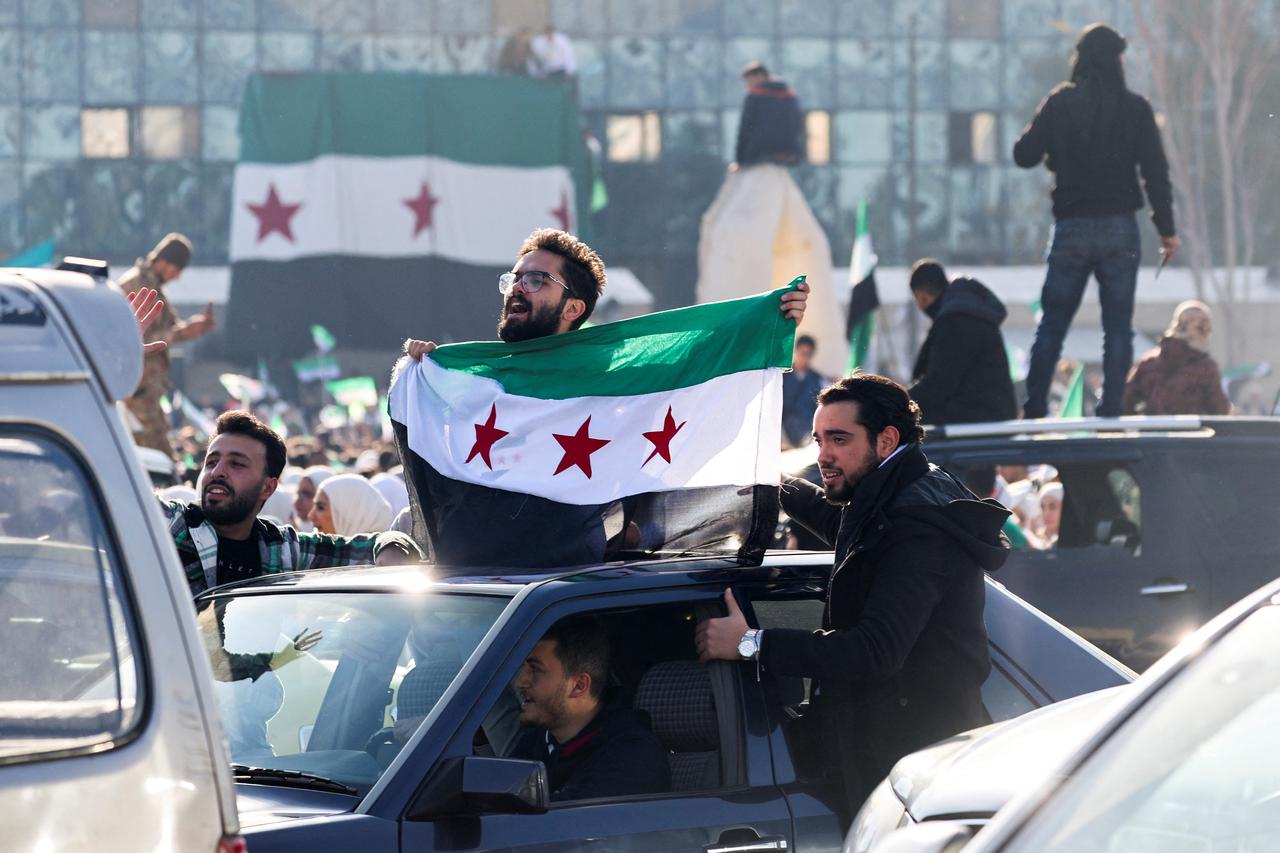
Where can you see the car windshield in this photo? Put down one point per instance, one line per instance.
(334, 683)
(1193, 770)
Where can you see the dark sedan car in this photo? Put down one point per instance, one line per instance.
(391, 732)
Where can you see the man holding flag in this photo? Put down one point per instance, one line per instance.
(514, 470)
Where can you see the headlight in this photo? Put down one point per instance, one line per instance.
(880, 815)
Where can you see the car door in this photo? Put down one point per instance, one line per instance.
(1123, 571)
(747, 814)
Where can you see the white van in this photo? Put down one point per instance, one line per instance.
(109, 740)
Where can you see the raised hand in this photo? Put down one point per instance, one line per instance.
(146, 305)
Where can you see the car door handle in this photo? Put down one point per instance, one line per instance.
(1165, 589)
(760, 845)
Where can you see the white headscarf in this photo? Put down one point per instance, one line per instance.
(317, 474)
(290, 475)
(355, 505)
(280, 505)
(393, 489)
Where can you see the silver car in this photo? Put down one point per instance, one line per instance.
(108, 739)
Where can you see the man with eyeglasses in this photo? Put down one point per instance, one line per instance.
(551, 290)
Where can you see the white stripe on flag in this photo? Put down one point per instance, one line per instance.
(356, 206)
(730, 437)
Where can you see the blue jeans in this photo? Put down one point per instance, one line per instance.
(1107, 247)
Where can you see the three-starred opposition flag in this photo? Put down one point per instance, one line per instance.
(681, 399)
(864, 299)
(383, 205)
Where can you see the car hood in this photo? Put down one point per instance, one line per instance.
(975, 773)
(259, 805)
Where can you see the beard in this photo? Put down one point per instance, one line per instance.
(842, 491)
(546, 713)
(235, 509)
(532, 323)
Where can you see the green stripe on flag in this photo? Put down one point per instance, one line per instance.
(643, 355)
(1073, 401)
(860, 341)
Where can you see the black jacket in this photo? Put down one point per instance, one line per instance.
(615, 755)
(772, 126)
(903, 651)
(1095, 166)
(962, 371)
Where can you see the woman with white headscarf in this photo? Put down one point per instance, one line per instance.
(393, 489)
(1179, 377)
(348, 506)
(305, 494)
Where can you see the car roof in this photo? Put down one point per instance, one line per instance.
(506, 581)
(1138, 426)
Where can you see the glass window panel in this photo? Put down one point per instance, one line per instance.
(973, 18)
(288, 51)
(930, 76)
(930, 17)
(50, 13)
(170, 133)
(1030, 18)
(215, 208)
(111, 209)
(51, 65)
(68, 679)
(695, 16)
(749, 17)
(11, 236)
(287, 14)
(639, 17)
(625, 135)
(986, 139)
(228, 59)
(864, 73)
(10, 131)
(636, 72)
(230, 14)
(976, 215)
(817, 128)
(405, 53)
(695, 134)
(807, 68)
(863, 18)
(693, 75)
(10, 64)
(221, 134)
(110, 13)
(511, 15)
(1077, 14)
(1032, 68)
(104, 133)
(806, 17)
(592, 72)
(466, 54)
(864, 136)
(350, 16)
(340, 52)
(976, 69)
(469, 18)
(652, 135)
(169, 72)
(580, 17)
(931, 137)
(111, 67)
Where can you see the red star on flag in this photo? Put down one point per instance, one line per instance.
(578, 448)
(561, 213)
(421, 205)
(661, 438)
(274, 215)
(487, 435)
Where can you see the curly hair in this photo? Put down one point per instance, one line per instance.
(583, 269)
(881, 403)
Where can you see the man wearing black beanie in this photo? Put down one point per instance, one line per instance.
(162, 265)
(1096, 136)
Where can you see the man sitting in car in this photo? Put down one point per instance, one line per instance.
(593, 745)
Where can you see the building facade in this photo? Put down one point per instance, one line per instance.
(118, 117)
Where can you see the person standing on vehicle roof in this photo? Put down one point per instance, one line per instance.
(962, 372)
(221, 539)
(552, 289)
(1095, 136)
(161, 266)
(902, 653)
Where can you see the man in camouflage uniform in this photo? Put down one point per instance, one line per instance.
(164, 264)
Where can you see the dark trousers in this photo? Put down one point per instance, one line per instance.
(1107, 247)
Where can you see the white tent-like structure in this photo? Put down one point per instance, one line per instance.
(759, 234)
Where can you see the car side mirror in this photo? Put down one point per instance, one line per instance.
(932, 836)
(474, 785)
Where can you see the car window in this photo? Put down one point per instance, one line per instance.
(336, 683)
(1230, 491)
(1193, 769)
(68, 676)
(689, 709)
(1063, 505)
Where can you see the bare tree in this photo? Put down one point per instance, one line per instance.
(1210, 60)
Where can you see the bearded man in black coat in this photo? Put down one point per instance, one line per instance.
(902, 653)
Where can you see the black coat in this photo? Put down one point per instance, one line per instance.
(615, 755)
(772, 126)
(962, 372)
(903, 652)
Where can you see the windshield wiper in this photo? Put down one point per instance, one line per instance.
(289, 779)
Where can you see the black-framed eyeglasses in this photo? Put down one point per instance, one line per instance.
(530, 281)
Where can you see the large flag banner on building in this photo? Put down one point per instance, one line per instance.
(383, 205)
(864, 298)
(683, 399)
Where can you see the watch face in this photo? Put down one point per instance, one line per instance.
(747, 646)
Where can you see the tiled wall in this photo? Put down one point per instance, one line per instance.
(677, 58)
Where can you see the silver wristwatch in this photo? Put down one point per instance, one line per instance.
(749, 645)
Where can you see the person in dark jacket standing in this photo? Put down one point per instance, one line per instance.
(800, 387)
(962, 371)
(592, 747)
(772, 126)
(902, 653)
(1095, 136)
